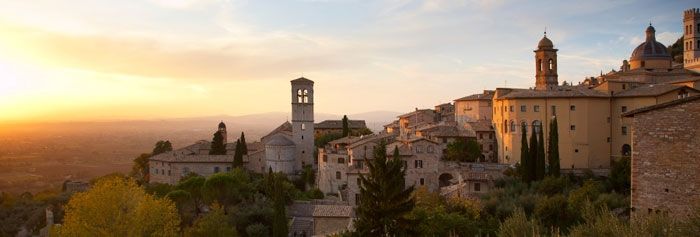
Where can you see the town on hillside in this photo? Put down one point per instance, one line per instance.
(552, 159)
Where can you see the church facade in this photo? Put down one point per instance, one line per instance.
(592, 131)
(287, 149)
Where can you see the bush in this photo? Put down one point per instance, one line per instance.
(518, 225)
(551, 185)
(552, 211)
(257, 229)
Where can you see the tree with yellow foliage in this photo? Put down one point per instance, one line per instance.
(117, 206)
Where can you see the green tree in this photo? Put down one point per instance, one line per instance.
(140, 170)
(534, 147)
(525, 159)
(540, 168)
(162, 147)
(279, 218)
(553, 149)
(517, 225)
(346, 126)
(620, 174)
(244, 145)
(217, 144)
(214, 223)
(193, 186)
(384, 198)
(117, 206)
(676, 50)
(324, 139)
(238, 155)
(227, 188)
(463, 151)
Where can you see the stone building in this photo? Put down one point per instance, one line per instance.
(474, 107)
(287, 148)
(691, 39)
(311, 218)
(592, 131)
(336, 126)
(665, 154)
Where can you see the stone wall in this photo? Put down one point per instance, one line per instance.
(665, 159)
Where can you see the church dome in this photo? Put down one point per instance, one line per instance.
(279, 140)
(650, 48)
(545, 43)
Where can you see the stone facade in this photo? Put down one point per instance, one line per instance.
(665, 154)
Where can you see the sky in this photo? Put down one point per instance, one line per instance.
(83, 60)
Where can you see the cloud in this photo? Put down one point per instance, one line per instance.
(182, 4)
(668, 38)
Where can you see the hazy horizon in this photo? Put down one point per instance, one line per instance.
(155, 59)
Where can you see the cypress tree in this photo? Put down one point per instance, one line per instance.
(553, 149)
(244, 145)
(217, 144)
(238, 155)
(384, 198)
(346, 126)
(540, 172)
(532, 158)
(524, 156)
(279, 217)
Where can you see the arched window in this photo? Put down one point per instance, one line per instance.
(512, 126)
(539, 65)
(536, 126)
(300, 97)
(551, 64)
(523, 126)
(337, 175)
(306, 96)
(626, 150)
(303, 126)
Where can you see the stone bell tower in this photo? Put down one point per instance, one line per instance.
(691, 39)
(546, 65)
(303, 121)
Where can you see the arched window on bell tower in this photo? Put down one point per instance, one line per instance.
(306, 96)
(539, 65)
(551, 64)
(300, 96)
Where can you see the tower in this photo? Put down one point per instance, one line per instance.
(222, 130)
(303, 121)
(546, 65)
(691, 39)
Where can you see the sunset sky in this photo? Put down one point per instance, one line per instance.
(141, 59)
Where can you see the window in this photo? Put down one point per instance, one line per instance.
(551, 64)
(481, 136)
(168, 172)
(299, 97)
(624, 86)
(505, 126)
(576, 150)
(554, 110)
(422, 181)
(511, 108)
(303, 126)
(405, 164)
(216, 169)
(608, 119)
(642, 63)
(185, 171)
(359, 182)
(536, 126)
(162, 172)
(490, 147)
(608, 139)
(418, 164)
(512, 126)
(155, 171)
(624, 130)
(337, 175)
(682, 94)
(341, 160)
(419, 149)
(624, 109)
(306, 96)
(477, 187)
(490, 136)
(325, 158)
(626, 150)
(536, 108)
(228, 169)
(430, 149)
(573, 127)
(573, 107)
(523, 108)
(539, 65)
(523, 126)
